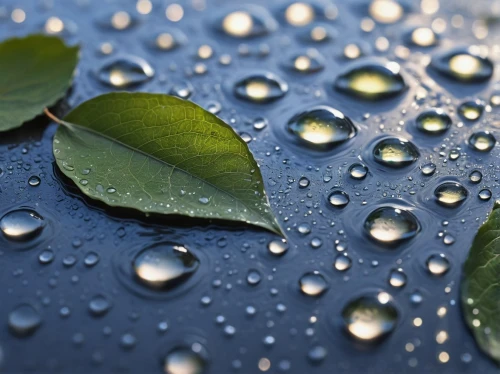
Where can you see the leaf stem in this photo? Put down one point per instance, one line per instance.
(52, 117)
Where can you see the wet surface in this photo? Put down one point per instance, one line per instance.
(240, 299)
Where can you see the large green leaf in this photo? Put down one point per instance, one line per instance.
(35, 72)
(481, 286)
(158, 153)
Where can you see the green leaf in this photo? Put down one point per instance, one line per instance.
(161, 154)
(35, 72)
(481, 286)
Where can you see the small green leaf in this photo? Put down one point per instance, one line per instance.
(481, 286)
(35, 72)
(161, 154)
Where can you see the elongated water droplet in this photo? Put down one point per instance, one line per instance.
(463, 65)
(395, 153)
(261, 88)
(164, 266)
(24, 320)
(21, 224)
(246, 22)
(482, 141)
(433, 121)
(126, 71)
(372, 81)
(313, 284)
(450, 194)
(391, 225)
(370, 317)
(321, 127)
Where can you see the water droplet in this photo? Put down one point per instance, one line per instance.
(278, 247)
(428, 169)
(321, 127)
(338, 199)
(309, 62)
(317, 354)
(99, 305)
(395, 152)
(259, 123)
(119, 20)
(372, 81)
(386, 11)
(91, 259)
(482, 141)
(471, 110)
(253, 277)
(313, 284)
(370, 317)
(46, 256)
(247, 21)
(437, 264)
(450, 194)
(397, 278)
(304, 182)
(165, 266)
(128, 341)
(261, 88)
(475, 176)
(391, 225)
(304, 228)
(185, 360)
(485, 194)
(168, 40)
(299, 14)
(433, 121)
(182, 89)
(463, 65)
(34, 181)
(317, 33)
(358, 171)
(125, 71)
(22, 224)
(422, 37)
(342, 262)
(24, 320)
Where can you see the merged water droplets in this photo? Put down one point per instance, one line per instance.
(246, 22)
(463, 65)
(24, 320)
(21, 224)
(125, 71)
(395, 152)
(164, 266)
(260, 88)
(433, 122)
(482, 141)
(321, 127)
(370, 317)
(372, 81)
(390, 225)
(450, 194)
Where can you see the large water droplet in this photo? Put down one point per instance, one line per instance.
(450, 194)
(313, 284)
(21, 224)
(433, 121)
(370, 317)
(125, 71)
(164, 266)
(321, 127)
(391, 225)
(372, 81)
(185, 360)
(395, 152)
(482, 141)
(261, 88)
(462, 65)
(246, 22)
(24, 320)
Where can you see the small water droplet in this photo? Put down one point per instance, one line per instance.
(485, 194)
(91, 259)
(462, 65)
(475, 176)
(422, 37)
(253, 277)
(125, 71)
(397, 278)
(247, 21)
(34, 181)
(278, 247)
(386, 11)
(304, 182)
(428, 169)
(482, 141)
(433, 121)
(471, 110)
(358, 171)
(24, 320)
(46, 256)
(99, 305)
(338, 199)
(261, 88)
(310, 61)
(438, 264)
(342, 262)
(313, 284)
